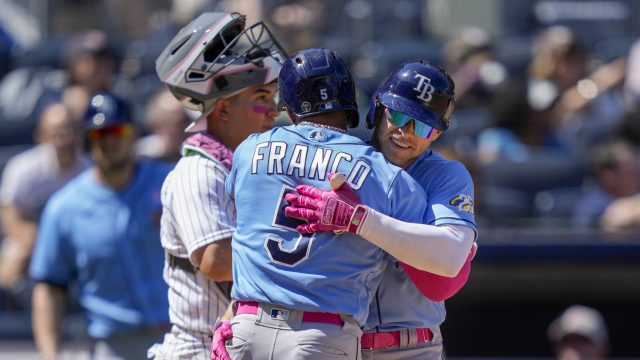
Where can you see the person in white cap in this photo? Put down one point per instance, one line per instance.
(578, 333)
(216, 66)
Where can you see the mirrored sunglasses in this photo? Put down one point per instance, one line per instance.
(121, 130)
(400, 120)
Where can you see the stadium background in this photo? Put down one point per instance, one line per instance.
(531, 264)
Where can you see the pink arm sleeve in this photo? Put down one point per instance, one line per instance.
(436, 287)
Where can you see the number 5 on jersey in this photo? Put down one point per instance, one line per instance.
(278, 252)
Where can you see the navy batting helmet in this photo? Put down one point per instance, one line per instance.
(315, 81)
(106, 109)
(419, 89)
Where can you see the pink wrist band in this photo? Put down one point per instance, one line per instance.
(358, 217)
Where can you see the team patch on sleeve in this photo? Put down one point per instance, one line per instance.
(463, 203)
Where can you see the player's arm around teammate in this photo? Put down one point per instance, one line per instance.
(441, 250)
(313, 204)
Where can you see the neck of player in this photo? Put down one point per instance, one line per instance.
(336, 119)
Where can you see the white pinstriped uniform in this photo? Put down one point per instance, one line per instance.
(196, 212)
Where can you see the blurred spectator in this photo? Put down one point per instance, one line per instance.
(28, 181)
(632, 80)
(622, 214)
(89, 67)
(579, 333)
(558, 57)
(520, 128)
(470, 59)
(90, 61)
(614, 175)
(584, 104)
(166, 120)
(76, 98)
(101, 233)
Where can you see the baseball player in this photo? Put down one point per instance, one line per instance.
(217, 66)
(306, 297)
(101, 232)
(410, 111)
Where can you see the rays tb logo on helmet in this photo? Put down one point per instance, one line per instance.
(419, 89)
(214, 56)
(424, 88)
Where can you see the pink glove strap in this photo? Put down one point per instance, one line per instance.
(337, 212)
(359, 215)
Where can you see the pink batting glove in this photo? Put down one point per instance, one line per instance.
(331, 210)
(222, 332)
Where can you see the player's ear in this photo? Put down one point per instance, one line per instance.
(436, 134)
(221, 109)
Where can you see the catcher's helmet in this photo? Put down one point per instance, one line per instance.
(417, 88)
(315, 81)
(105, 109)
(214, 56)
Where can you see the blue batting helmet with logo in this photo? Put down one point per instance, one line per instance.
(106, 109)
(315, 81)
(420, 89)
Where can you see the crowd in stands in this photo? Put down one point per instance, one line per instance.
(549, 144)
(529, 135)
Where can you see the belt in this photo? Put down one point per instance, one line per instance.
(181, 263)
(251, 307)
(383, 340)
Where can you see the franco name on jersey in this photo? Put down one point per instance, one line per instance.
(310, 162)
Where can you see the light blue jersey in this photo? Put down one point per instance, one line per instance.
(325, 272)
(449, 190)
(108, 243)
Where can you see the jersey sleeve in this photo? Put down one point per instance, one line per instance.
(452, 199)
(407, 199)
(199, 205)
(53, 260)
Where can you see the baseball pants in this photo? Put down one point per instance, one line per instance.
(277, 332)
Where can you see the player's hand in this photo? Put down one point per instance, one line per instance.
(331, 210)
(221, 333)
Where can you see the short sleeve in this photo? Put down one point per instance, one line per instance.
(200, 207)
(53, 259)
(451, 198)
